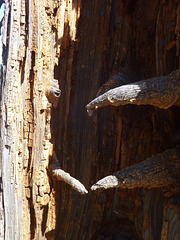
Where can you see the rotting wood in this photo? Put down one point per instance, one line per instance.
(32, 35)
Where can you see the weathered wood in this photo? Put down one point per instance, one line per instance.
(29, 57)
(56, 171)
(80, 45)
(162, 92)
(53, 93)
(160, 171)
(1, 210)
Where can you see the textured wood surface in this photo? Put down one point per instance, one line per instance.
(161, 91)
(159, 171)
(79, 45)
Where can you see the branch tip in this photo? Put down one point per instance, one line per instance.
(161, 91)
(59, 174)
(159, 171)
(105, 183)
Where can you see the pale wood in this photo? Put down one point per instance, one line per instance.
(26, 111)
(56, 172)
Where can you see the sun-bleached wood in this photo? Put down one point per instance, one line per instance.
(56, 172)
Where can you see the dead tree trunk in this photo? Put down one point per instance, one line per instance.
(56, 55)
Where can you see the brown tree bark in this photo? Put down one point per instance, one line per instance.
(56, 55)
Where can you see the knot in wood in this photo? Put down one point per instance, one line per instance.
(53, 93)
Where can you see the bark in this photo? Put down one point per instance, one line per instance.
(56, 55)
(160, 171)
(162, 92)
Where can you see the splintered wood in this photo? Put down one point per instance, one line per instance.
(31, 31)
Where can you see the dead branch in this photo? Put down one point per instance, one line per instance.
(59, 174)
(53, 92)
(159, 171)
(161, 91)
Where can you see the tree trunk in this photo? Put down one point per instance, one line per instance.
(76, 46)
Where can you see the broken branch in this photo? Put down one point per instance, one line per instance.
(53, 92)
(161, 91)
(161, 170)
(59, 174)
